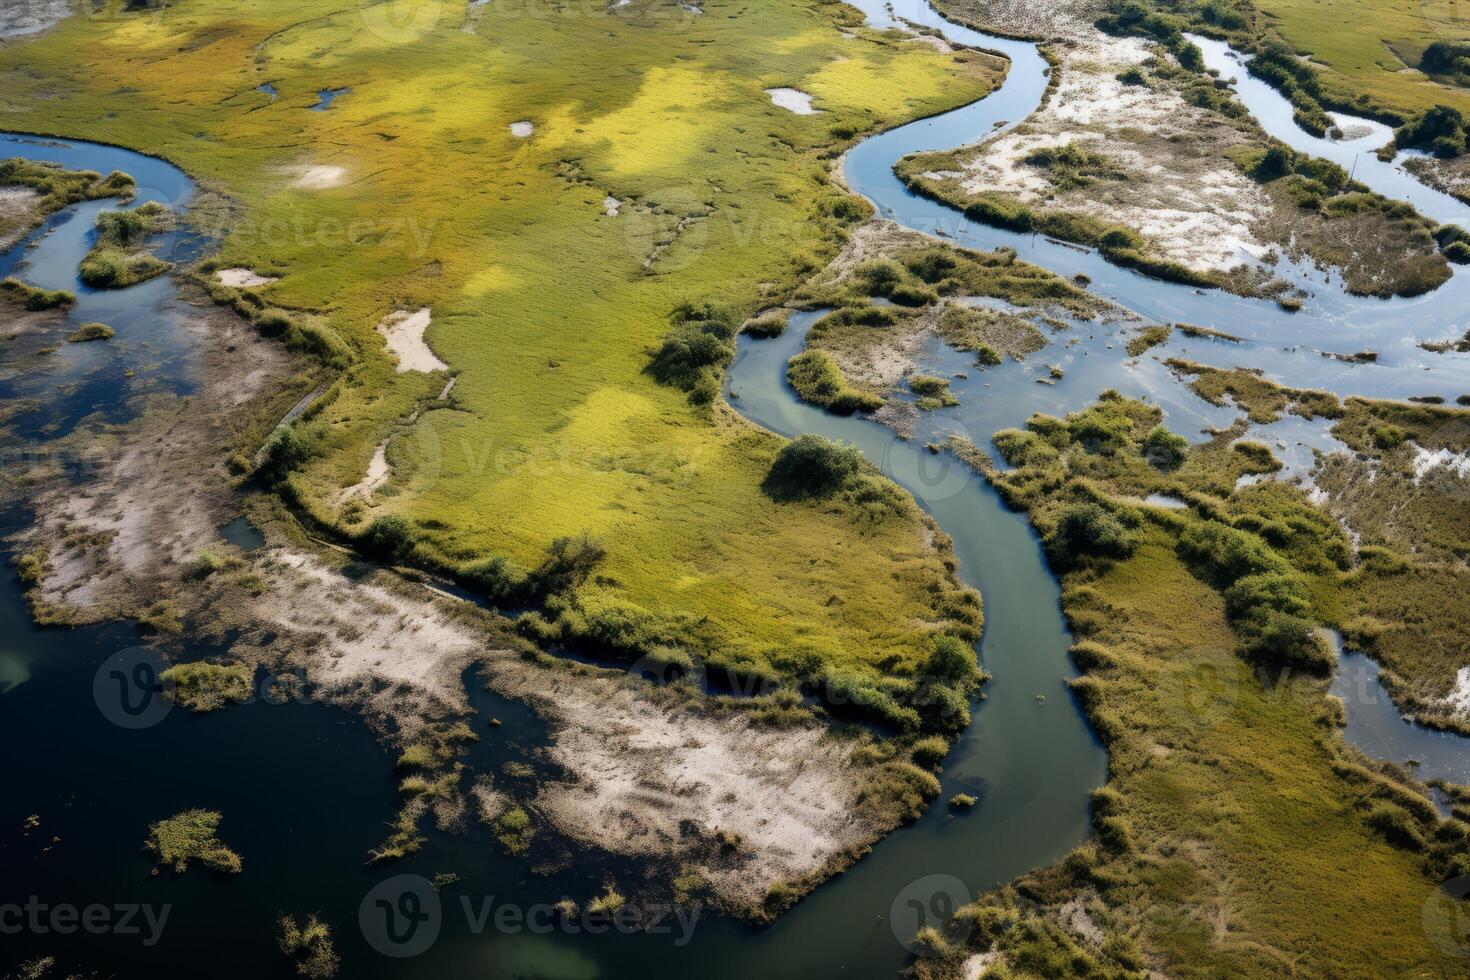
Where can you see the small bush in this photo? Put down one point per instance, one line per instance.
(1089, 530)
(908, 295)
(90, 331)
(879, 277)
(810, 467)
(387, 538)
(284, 451)
(929, 752)
(1163, 448)
(568, 563)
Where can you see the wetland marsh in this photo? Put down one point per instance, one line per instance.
(619, 671)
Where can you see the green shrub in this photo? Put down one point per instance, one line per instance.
(810, 467)
(1439, 129)
(387, 538)
(568, 563)
(952, 661)
(203, 686)
(285, 450)
(817, 379)
(696, 350)
(767, 325)
(1163, 448)
(499, 579)
(1089, 530)
(909, 295)
(35, 299)
(513, 830)
(932, 265)
(879, 277)
(90, 331)
(930, 751)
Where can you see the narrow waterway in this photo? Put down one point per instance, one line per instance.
(306, 791)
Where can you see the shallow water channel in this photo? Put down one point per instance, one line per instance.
(306, 790)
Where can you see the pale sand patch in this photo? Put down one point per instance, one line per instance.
(1197, 211)
(522, 129)
(975, 965)
(653, 781)
(1426, 460)
(1458, 700)
(243, 278)
(404, 332)
(792, 100)
(377, 474)
(316, 177)
(371, 639)
(19, 208)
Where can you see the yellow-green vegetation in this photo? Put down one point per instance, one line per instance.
(203, 686)
(1148, 337)
(1406, 607)
(309, 946)
(1231, 798)
(933, 392)
(1353, 56)
(190, 836)
(606, 904)
(514, 831)
(1401, 603)
(55, 187)
(1261, 399)
(33, 298)
(1365, 47)
(410, 191)
(1383, 247)
(117, 258)
(90, 331)
(817, 379)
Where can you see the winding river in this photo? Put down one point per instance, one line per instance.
(1029, 755)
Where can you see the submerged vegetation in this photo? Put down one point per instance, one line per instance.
(309, 946)
(190, 836)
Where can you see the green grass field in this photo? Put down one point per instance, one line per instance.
(1374, 46)
(543, 305)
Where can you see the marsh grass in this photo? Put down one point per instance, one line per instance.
(117, 258)
(1231, 792)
